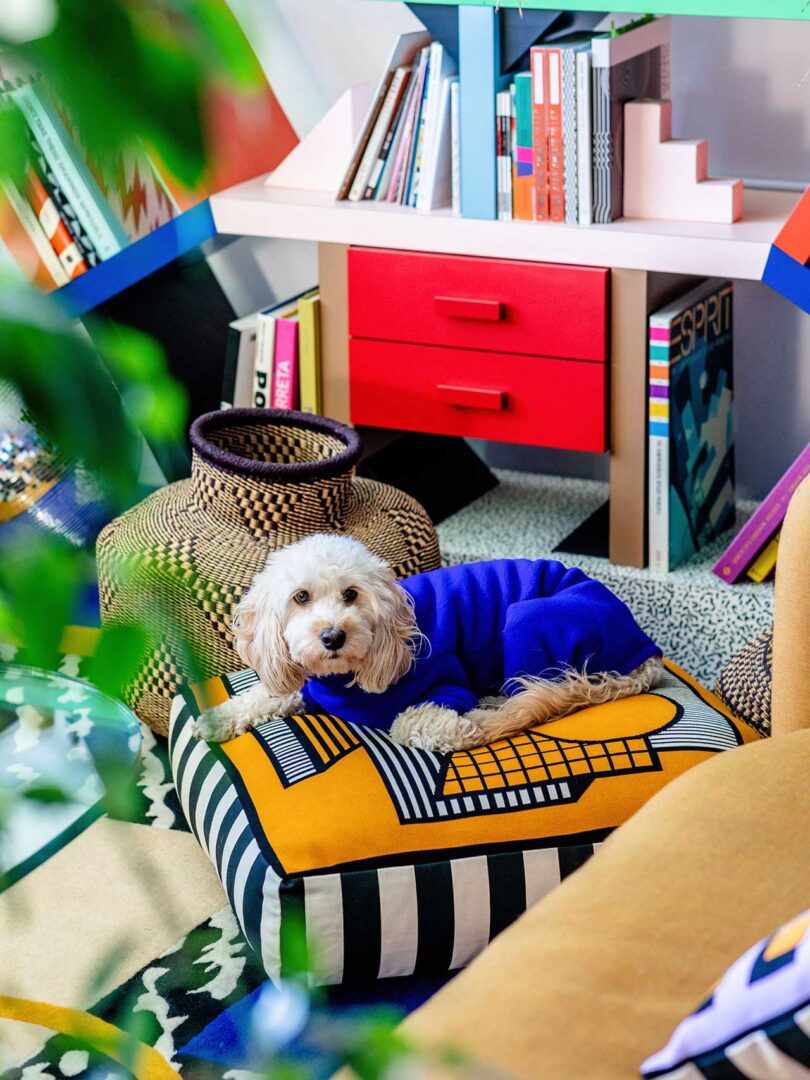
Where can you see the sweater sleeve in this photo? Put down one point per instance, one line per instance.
(583, 626)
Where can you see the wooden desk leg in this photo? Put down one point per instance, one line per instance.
(628, 417)
(334, 289)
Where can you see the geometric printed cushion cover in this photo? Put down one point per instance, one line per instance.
(403, 861)
(755, 1024)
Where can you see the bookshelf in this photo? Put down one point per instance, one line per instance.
(738, 251)
(138, 260)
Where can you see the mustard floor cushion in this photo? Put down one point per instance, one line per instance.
(402, 861)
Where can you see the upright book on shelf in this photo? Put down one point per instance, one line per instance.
(691, 431)
(523, 184)
(309, 354)
(763, 523)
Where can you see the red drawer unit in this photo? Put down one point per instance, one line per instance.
(484, 348)
(541, 309)
(507, 397)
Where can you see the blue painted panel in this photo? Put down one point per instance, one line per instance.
(788, 277)
(136, 262)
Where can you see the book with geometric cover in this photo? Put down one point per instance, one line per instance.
(691, 433)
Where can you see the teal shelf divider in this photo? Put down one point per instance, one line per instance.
(746, 9)
(137, 261)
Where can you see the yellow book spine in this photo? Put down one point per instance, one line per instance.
(309, 329)
(765, 562)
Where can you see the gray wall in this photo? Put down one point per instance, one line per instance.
(742, 83)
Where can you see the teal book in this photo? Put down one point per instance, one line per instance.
(691, 424)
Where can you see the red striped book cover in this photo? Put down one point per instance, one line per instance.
(539, 68)
(285, 363)
(554, 132)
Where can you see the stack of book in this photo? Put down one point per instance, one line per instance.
(752, 553)
(68, 214)
(558, 134)
(404, 154)
(273, 358)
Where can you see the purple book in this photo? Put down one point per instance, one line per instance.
(763, 523)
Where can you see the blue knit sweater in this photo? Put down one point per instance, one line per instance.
(486, 623)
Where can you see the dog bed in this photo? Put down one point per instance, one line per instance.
(401, 861)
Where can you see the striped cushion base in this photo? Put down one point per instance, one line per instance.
(403, 861)
(755, 1024)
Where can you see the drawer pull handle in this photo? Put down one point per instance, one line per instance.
(461, 307)
(472, 397)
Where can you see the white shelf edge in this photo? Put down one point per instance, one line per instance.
(737, 251)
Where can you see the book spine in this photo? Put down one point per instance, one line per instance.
(376, 139)
(480, 79)
(309, 355)
(763, 523)
(540, 132)
(80, 187)
(410, 150)
(455, 149)
(584, 143)
(28, 243)
(659, 448)
(570, 145)
(228, 395)
(243, 389)
(765, 563)
(385, 149)
(399, 179)
(54, 228)
(556, 144)
(365, 135)
(389, 173)
(504, 160)
(524, 188)
(414, 172)
(285, 364)
(263, 363)
(602, 168)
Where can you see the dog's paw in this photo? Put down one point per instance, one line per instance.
(218, 724)
(432, 727)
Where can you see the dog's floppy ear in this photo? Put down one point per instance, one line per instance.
(396, 634)
(259, 640)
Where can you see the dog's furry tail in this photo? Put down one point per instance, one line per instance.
(541, 700)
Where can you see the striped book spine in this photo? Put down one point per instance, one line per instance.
(658, 492)
(540, 132)
(66, 212)
(285, 363)
(54, 228)
(23, 235)
(570, 147)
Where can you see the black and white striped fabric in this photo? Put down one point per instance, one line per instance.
(511, 821)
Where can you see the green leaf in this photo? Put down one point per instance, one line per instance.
(119, 654)
(48, 795)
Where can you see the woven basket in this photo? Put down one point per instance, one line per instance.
(745, 683)
(260, 479)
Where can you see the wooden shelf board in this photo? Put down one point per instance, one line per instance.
(737, 251)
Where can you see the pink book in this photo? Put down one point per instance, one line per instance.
(761, 526)
(285, 364)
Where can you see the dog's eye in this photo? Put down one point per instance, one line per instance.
(302, 597)
(349, 596)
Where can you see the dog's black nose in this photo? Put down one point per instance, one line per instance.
(333, 638)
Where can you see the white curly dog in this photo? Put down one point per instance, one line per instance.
(327, 627)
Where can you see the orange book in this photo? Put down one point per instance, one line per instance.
(29, 246)
(66, 248)
(554, 129)
(539, 66)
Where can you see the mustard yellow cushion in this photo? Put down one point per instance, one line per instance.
(403, 861)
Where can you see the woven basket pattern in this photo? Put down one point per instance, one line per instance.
(745, 683)
(187, 554)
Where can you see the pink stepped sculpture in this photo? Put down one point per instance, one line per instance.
(668, 178)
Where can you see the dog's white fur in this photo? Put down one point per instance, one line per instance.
(332, 582)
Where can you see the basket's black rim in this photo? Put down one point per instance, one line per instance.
(205, 426)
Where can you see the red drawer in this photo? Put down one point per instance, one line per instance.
(518, 307)
(485, 395)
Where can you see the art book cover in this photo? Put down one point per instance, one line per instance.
(691, 432)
